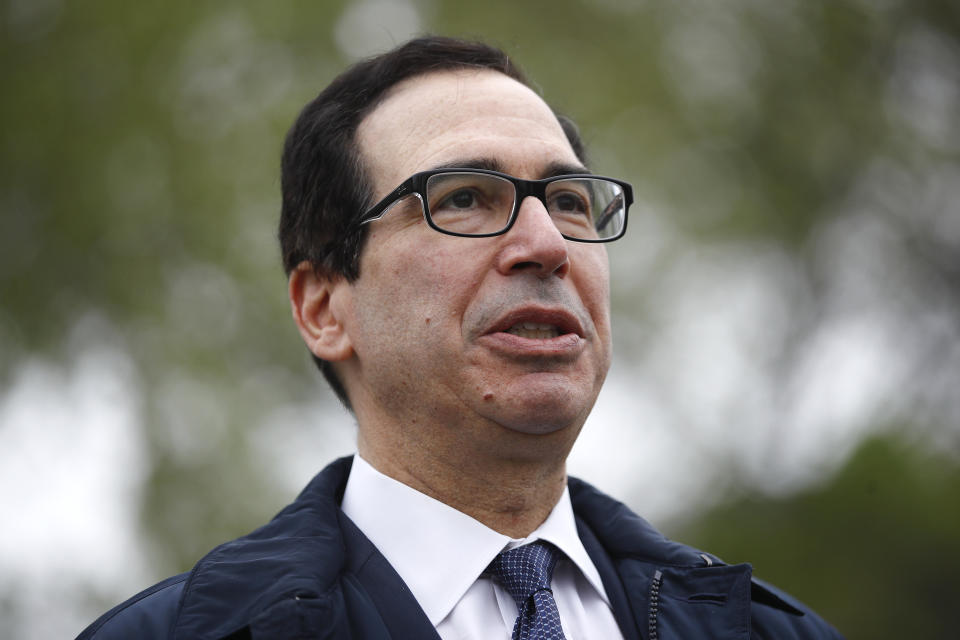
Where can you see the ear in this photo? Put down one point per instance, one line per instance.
(314, 301)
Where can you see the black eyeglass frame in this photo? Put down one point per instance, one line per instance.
(417, 185)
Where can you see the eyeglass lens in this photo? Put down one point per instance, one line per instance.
(477, 204)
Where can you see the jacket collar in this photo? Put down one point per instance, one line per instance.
(622, 533)
(625, 536)
(301, 554)
(297, 556)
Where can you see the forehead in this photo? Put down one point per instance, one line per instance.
(444, 117)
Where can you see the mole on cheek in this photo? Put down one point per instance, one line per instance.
(488, 396)
(428, 320)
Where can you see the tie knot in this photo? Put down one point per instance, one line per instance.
(523, 571)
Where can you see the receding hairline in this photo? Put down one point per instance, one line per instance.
(365, 141)
(465, 70)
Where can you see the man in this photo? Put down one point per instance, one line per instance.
(444, 245)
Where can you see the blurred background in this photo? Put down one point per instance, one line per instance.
(786, 387)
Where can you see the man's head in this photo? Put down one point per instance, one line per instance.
(450, 341)
(324, 177)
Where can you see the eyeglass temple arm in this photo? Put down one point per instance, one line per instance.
(380, 209)
(615, 205)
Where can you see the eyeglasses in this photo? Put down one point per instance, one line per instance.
(477, 203)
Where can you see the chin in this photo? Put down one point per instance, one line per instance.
(538, 404)
(536, 428)
(547, 415)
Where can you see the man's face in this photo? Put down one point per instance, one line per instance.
(512, 330)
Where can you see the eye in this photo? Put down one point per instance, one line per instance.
(460, 199)
(568, 202)
(468, 202)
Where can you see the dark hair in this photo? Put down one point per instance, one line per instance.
(322, 173)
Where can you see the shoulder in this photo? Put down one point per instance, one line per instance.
(299, 551)
(776, 614)
(149, 614)
(693, 582)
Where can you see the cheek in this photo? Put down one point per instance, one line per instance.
(593, 285)
(420, 290)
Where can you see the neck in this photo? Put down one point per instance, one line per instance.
(512, 494)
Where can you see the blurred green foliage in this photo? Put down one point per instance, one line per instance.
(139, 195)
(874, 549)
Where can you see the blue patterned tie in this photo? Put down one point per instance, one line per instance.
(525, 573)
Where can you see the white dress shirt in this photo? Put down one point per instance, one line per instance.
(440, 552)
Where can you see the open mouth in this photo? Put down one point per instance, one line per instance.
(534, 330)
(539, 324)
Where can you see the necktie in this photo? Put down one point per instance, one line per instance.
(525, 573)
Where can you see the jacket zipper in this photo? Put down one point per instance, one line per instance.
(654, 605)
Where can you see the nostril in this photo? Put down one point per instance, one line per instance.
(520, 266)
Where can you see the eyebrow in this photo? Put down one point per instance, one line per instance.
(492, 164)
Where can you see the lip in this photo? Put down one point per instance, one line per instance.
(569, 342)
(566, 322)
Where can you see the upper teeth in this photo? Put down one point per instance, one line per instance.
(534, 330)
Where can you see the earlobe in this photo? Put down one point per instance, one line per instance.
(313, 302)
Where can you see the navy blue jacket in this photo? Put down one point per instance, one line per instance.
(310, 573)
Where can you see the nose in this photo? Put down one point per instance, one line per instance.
(534, 244)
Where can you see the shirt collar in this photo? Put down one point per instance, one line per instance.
(560, 529)
(440, 552)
